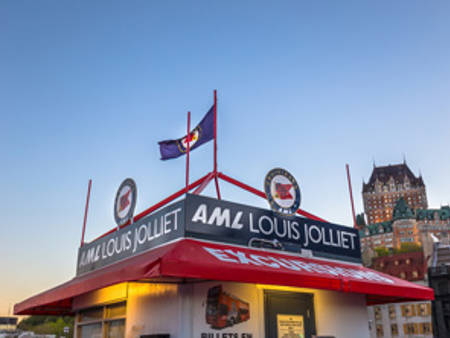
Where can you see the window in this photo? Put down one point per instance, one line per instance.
(380, 332)
(377, 312)
(425, 328)
(415, 274)
(394, 330)
(392, 312)
(102, 322)
(408, 310)
(410, 328)
(424, 309)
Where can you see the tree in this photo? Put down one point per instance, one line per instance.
(48, 325)
(408, 247)
(382, 251)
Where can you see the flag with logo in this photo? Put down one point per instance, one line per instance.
(201, 134)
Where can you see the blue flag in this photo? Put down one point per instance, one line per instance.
(203, 133)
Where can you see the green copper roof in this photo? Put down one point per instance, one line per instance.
(443, 213)
(402, 210)
(376, 229)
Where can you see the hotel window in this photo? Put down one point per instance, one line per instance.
(410, 328)
(377, 312)
(424, 309)
(392, 313)
(380, 332)
(102, 322)
(394, 330)
(408, 310)
(425, 328)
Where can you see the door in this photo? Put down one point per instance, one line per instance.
(289, 314)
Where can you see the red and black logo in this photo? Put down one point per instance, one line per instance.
(125, 202)
(282, 191)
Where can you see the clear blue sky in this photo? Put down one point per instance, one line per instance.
(87, 89)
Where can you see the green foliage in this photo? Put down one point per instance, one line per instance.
(382, 251)
(408, 247)
(48, 325)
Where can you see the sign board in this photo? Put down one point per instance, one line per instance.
(153, 230)
(290, 326)
(226, 222)
(8, 320)
(221, 221)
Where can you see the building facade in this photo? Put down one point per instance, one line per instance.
(407, 226)
(439, 280)
(411, 319)
(386, 185)
(401, 320)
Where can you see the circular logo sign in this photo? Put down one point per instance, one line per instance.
(282, 191)
(125, 202)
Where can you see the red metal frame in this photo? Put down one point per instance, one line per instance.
(203, 182)
(351, 195)
(263, 195)
(86, 211)
(216, 181)
(160, 204)
(188, 139)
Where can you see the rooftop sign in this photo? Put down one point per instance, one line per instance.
(220, 221)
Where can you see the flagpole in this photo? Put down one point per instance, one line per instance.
(216, 179)
(188, 139)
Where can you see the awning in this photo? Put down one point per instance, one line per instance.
(194, 259)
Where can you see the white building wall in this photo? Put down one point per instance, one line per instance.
(341, 315)
(153, 309)
(179, 310)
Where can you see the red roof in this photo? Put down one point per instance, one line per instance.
(194, 259)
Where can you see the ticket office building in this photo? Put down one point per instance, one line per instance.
(139, 282)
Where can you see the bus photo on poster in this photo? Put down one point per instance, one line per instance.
(225, 310)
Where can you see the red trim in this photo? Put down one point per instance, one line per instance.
(195, 259)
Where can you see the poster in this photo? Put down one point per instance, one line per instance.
(290, 326)
(225, 310)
